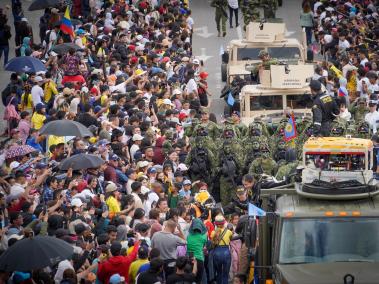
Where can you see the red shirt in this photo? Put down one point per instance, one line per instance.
(117, 264)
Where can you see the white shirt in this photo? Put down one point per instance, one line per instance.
(74, 105)
(343, 44)
(62, 266)
(133, 150)
(371, 118)
(346, 115)
(16, 190)
(37, 94)
(151, 198)
(363, 62)
(191, 86)
(372, 88)
(190, 23)
(233, 4)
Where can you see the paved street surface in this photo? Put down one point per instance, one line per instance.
(206, 44)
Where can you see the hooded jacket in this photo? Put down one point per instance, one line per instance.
(25, 49)
(117, 264)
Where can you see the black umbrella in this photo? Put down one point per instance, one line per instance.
(81, 161)
(65, 128)
(43, 4)
(35, 253)
(65, 47)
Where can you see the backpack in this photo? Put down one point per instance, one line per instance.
(200, 164)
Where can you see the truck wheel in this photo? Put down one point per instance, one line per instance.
(223, 72)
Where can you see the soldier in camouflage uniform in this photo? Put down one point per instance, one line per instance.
(338, 127)
(362, 130)
(230, 164)
(240, 127)
(264, 164)
(213, 130)
(359, 109)
(250, 12)
(269, 8)
(280, 152)
(290, 165)
(189, 130)
(202, 152)
(221, 15)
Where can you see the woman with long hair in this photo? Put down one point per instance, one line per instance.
(307, 21)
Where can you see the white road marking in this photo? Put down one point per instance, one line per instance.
(203, 55)
(239, 32)
(203, 32)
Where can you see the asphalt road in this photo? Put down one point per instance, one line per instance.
(206, 44)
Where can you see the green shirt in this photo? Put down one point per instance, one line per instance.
(195, 244)
(173, 201)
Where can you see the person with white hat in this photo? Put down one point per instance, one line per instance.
(137, 140)
(37, 91)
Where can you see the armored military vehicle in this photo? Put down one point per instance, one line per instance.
(260, 36)
(328, 234)
(282, 87)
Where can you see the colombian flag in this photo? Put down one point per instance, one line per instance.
(290, 129)
(66, 25)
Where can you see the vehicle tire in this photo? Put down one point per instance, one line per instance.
(310, 55)
(223, 72)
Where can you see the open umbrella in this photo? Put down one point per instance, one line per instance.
(65, 128)
(18, 151)
(81, 161)
(65, 47)
(35, 253)
(43, 4)
(25, 64)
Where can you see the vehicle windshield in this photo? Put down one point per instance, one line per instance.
(329, 240)
(266, 102)
(299, 101)
(284, 52)
(336, 162)
(248, 53)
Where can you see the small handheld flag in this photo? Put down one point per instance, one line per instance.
(230, 99)
(343, 92)
(66, 25)
(256, 211)
(290, 129)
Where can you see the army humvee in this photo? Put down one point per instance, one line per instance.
(260, 36)
(331, 237)
(282, 87)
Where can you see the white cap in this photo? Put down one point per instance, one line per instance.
(142, 164)
(177, 92)
(182, 167)
(76, 202)
(52, 53)
(85, 89)
(14, 165)
(139, 37)
(38, 79)
(196, 61)
(167, 102)
(137, 137)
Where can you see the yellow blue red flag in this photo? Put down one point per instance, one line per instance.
(66, 25)
(290, 129)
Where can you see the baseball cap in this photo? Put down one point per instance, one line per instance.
(40, 106)
(116, 279)
(38, 79)
(41, 165)
(182, 167)
(137, 137)
(187, 182)
(76, 202)
(14, 165)
(151, 170)
(167, 102)
(196, 61)
(111, 187)
(315, 85)
(240, 190)
(142, 164)
(114, 157)
(219, 220)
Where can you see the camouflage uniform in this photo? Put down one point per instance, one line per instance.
(189, 131)
(230, 164)
(264, 164)
(250, 12)
(202, 141)
(239, 128)
(211, 127)
(358, 110)
(221, 8)
(362, 130)
(269, 8)
(279, 153)
(289, 166)
(338, 127)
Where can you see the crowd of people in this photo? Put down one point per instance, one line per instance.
(148, 213)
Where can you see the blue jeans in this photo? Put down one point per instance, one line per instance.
(222, 260)
(308, 34)
(5, 49)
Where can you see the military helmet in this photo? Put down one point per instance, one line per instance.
(255, 129)
(363, 128)
(228, 132)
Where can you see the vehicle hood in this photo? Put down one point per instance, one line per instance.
(239, 68)
(330, 273)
